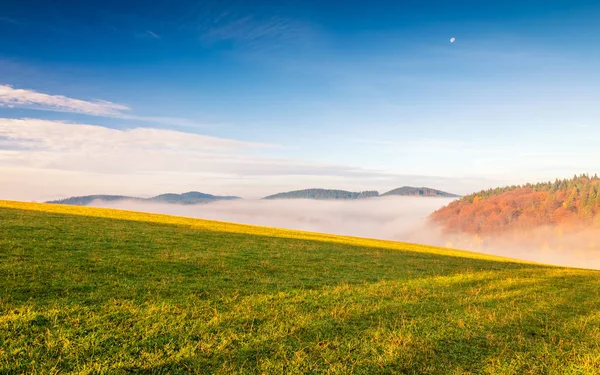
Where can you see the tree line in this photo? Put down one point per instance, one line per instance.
(572, 203)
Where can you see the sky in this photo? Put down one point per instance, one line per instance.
(251, 98)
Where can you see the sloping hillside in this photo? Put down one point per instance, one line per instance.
(570, 204)
(88, 290)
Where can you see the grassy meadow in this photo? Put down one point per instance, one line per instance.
(96, 291)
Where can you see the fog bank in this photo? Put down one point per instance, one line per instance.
(389, 218)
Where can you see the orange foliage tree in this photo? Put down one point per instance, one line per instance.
(569, 203)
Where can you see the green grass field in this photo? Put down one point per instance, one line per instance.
(89, 291)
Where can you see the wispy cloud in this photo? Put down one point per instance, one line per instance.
(11, 97)
(250, 27)
(48, 135)
(145, 34)
(90, 148)
(153, 34)
(69, 158)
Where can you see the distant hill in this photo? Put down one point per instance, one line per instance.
(192, 197)
(420, 192)
(327, 194)
(85, 200)
(569, 204)
(323, 194)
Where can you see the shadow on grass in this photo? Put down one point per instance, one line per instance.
(529, 336)
(107, 258)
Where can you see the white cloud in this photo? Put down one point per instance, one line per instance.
(88, 148)
(64, 158)
(11, 97)
(60, 136)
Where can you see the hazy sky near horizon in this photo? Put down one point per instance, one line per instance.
(251, 98)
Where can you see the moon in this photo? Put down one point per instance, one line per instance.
(452, 40)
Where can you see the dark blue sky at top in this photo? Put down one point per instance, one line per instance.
(109, 31)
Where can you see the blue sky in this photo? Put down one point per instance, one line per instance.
(298, 94)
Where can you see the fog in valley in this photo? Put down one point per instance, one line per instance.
(389, 218)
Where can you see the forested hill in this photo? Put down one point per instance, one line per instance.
(323, 194)
(87, 199)
(192, 197)
(570, 203)
(420, 192)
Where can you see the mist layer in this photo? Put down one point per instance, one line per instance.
(389, 218)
